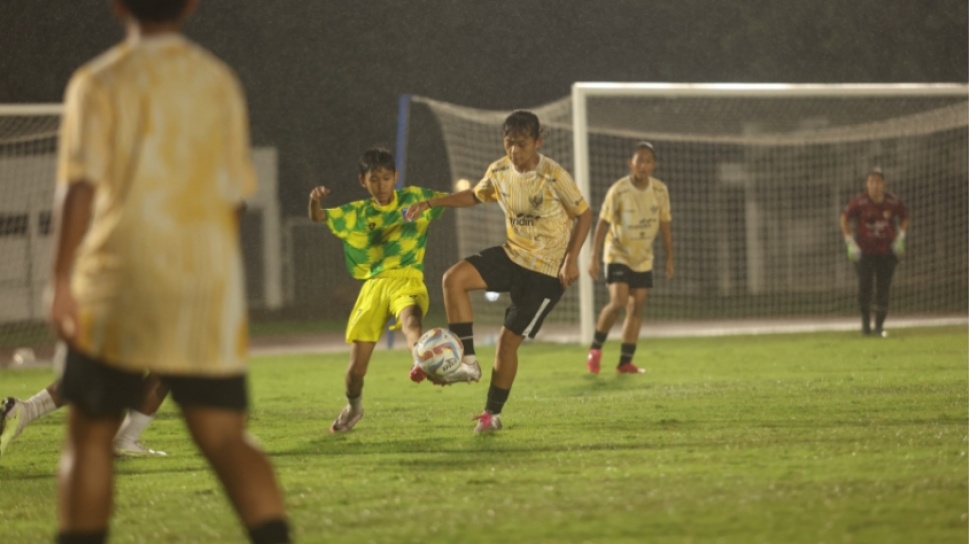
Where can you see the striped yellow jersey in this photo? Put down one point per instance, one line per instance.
(158, 126)
(634, 216)
(539, 207)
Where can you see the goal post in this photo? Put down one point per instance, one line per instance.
(952, 107)
(758, 174)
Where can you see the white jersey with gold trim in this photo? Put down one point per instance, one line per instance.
(634, 216)
(540, 207)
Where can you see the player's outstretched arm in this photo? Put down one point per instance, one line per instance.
(461, 199)
(314, 209)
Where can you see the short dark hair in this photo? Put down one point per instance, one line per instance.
(376, 157)
(522, 121)
(643, 144)
(156, 11)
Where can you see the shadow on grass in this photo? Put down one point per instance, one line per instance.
(593, 384)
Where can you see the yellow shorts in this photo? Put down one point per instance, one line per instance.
(379, 300)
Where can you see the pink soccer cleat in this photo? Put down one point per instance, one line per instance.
(593, 360)
(487, 422)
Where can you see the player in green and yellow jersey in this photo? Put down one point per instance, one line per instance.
(387, 253)
(547, 220)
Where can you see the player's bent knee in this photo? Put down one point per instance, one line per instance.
(462, 276)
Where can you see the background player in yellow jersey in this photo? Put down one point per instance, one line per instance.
(387, 253)
(547, 222)
(153, 171)
(635, 208)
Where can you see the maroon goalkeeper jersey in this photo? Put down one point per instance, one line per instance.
(875, 222)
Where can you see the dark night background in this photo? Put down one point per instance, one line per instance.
(323, 77)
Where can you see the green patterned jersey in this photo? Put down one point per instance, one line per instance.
(377, 240)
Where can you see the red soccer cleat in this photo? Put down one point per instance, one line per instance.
(593, 360)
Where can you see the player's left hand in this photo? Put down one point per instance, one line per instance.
(670, 269)
(414, 210)
(899, 244)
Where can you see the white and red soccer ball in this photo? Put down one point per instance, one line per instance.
(438, 352)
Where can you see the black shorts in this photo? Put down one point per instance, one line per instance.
(225, 393)
(621, 273)
(533, 295)
(97, 389)
(102, 390)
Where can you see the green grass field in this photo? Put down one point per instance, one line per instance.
(820, 438)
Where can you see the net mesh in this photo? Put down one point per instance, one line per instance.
(28, 144)
(756, 185)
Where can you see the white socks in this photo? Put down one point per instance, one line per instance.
(38, 405)
(134, 424)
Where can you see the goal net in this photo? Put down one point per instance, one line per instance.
(758, 175)
(28, 144)
(28, 148)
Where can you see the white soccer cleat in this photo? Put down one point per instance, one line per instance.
(12, 421)
(346, 420)
(468, 371)
(125, 448)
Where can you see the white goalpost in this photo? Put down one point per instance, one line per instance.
(758, 174)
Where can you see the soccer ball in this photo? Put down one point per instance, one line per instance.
(438, 352)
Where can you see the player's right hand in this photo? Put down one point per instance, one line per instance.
(319, 193)
(852, 249)
(63, 311)
(594, 268)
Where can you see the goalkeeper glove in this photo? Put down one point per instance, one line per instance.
(852, 249)
(899, 244)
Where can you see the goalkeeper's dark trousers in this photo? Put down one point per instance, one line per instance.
(876, 269)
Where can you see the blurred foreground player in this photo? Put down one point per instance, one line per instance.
(153, 171)
(16, 414)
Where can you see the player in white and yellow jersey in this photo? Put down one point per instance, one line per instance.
(636, 207)
(547, 220)
(153, 170)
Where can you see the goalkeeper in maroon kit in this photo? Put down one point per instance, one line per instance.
(874, 224)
